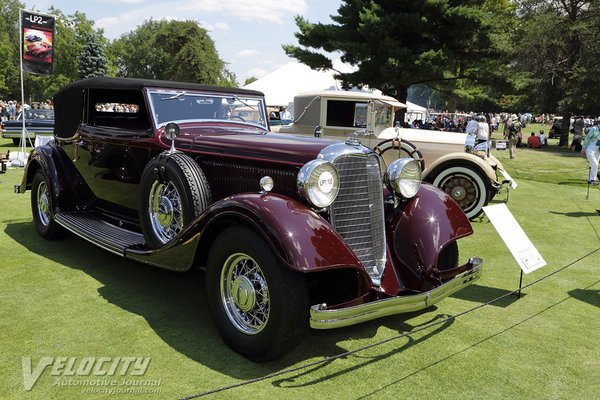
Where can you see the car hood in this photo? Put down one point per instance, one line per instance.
(256, 144)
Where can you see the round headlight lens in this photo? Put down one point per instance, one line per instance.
(319, 183)
(403, 177)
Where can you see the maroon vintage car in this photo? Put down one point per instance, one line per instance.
(292, 231)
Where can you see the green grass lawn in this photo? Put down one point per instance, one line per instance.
(69, 298)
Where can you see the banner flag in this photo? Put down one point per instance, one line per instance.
(37, 42)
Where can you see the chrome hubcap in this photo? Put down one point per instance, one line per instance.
(245, 294)
(166, 212)
(462, 190)
(458, 193)
(43, 203)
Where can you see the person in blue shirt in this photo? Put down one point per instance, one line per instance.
(591, 147)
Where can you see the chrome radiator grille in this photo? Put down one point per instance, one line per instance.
(357, 212)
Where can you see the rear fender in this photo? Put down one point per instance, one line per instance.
(55, 164)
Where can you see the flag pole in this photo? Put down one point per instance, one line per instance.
(23, 135)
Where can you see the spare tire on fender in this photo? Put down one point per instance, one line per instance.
(173, 191)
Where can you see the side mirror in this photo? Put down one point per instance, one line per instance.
(171, 132)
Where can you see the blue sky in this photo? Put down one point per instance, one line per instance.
(248, 34)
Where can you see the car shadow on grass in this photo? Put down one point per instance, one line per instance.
(486, 294)
(590, 296)
(174, 306)
(366, 355)
(575, 214)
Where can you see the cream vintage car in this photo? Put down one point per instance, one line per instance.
(450, 160)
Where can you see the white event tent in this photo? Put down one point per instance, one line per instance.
(281, 85)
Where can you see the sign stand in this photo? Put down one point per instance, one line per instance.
(518, 294)
(524, 252)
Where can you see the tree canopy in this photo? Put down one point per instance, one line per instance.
(92, 61)
(396, 44)
(171, 50)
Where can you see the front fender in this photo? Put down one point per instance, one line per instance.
(422, 227)
(495, 163)
(301, 238)
(459, 158)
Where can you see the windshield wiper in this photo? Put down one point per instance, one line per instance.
(243, 102)
(175, 96)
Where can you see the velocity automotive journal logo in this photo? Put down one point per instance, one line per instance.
(89, 371)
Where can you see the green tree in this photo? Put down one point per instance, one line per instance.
(10, 87)
(399, 43)
(250, 80)
(171, 50)
(557, 42)
(92, 61)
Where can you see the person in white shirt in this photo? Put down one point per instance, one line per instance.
(483, 129)
(542, 138)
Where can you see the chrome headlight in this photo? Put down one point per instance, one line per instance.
(403, 177)
(319, 182)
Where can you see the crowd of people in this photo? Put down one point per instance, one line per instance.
(11, 109)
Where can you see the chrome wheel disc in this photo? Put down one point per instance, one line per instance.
(462, 190)
(43, 203)
(245, 294)
(166, 211)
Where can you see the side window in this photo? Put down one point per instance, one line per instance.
(120, 110)
(347, 114)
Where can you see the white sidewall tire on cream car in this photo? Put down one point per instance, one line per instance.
(466, 186)
(259, 307)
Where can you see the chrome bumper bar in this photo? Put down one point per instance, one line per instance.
(321, 318)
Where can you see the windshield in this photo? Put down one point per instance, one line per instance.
(383, 116)
(181, 106)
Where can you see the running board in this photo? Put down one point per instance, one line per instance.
(99, 232)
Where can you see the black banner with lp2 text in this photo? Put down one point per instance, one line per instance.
(37, 41)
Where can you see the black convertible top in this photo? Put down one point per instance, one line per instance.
(68, 101)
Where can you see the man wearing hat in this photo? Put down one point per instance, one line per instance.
(512, 132)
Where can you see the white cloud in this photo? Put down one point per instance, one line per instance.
(256, 72)
(223, 26)
(107, 22)
(257, 10)
(219, 26)
(126, 1)
(247, 53)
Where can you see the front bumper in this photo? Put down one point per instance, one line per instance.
(321, 318)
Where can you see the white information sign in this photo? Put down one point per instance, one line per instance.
(527, 256)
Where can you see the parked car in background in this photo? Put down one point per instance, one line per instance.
(37, 122)
(448, 159)
(292, 231)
